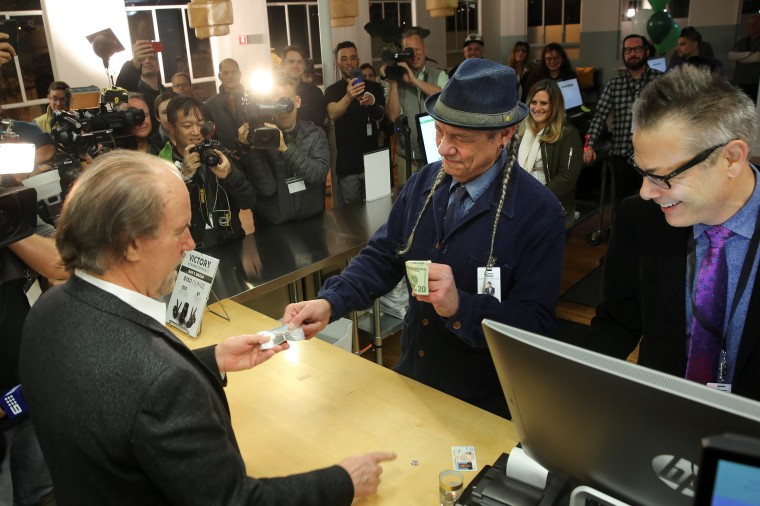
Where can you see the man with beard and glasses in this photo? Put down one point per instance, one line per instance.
(126, 411)
(618, 98)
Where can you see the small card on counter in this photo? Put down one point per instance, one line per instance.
(464, 458)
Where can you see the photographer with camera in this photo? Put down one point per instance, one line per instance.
(142, 131)
(407, 96)
(355, 106)
(218, 189)
(225, 108)
(141, 73)
(289, 179)
(22, 257)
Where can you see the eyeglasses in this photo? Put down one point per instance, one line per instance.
(637, 49)
(553, 58)
(664, 181)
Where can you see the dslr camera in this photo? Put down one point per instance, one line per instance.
(257, 113)
(394, 71)
(208, 146)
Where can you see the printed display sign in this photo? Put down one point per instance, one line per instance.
(191, 292)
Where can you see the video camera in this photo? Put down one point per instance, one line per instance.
(257, 113)
(394, 71)
(88, 128)
(207, 146)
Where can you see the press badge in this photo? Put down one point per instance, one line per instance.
(295, 184)
(34, 292)
(723, 387)
(489, 281)
(369, 129)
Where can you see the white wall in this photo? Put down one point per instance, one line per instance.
(250, 18)
(67, 22)
(712, 13)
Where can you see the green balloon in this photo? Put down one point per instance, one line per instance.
(670, 41)
(659, 26)
(658, 5)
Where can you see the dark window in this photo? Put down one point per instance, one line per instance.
(33, 60)
(553, 10)
(680, 8)
(316, 52)
(573, 12)
(299, 30)
(750, 6)
(278, 34)
(141, 25)
(535, 12)
(179, 54)
(20, 5)
(465, 19)
(152, 3)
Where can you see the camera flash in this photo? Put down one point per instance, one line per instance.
(261, 82)
(16, 158)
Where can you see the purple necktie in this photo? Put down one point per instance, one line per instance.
(709, 309)
(455, 210)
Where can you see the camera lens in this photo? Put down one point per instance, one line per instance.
(210, 158)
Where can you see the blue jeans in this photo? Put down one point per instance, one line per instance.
(29, 482)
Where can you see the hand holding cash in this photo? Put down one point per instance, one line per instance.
(434, 283)
(417, 272)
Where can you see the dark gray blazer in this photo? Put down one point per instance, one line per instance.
(127, 414)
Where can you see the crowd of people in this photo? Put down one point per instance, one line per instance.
(118, 407)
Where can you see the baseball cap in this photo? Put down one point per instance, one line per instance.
(473, 37)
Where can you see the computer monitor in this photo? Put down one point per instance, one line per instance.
(629, 431)
(729, 472)
(658, 64)
(426, 133)
(571, 93)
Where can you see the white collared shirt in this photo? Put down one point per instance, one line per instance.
(146, 305)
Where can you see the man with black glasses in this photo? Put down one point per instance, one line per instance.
(680, 277)
(618, 98)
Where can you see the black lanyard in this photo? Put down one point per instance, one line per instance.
(741, 286)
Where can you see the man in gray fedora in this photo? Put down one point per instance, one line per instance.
(477, 217)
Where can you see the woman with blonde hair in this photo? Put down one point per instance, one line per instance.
(550, 148)
(526, 70)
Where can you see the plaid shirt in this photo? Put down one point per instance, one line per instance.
(618, 97)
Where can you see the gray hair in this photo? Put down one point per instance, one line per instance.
(115, 201)
(132, 95)
(711, 108)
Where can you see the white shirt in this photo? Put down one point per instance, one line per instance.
(149, 307)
